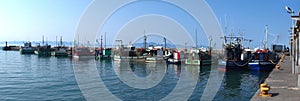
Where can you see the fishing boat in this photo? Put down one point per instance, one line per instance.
(263, 60)
(43, 50)
(27, 48)
(174, 58)
(199, 57)
(122, 52)
(154, 59)
(61, 50)
(235, 56)
(103, 53)
(82, 51)
(193, 59)
(155, 54)
(129, 52)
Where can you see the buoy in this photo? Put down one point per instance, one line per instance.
(264, 89)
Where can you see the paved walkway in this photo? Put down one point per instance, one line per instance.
(283, 84)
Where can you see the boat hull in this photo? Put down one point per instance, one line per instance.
(192, 62)
(60, 54)
(261, 66)
(232, 65)
(154, 59)
(205, 62)
(43, 53)
(28, 51)
(103, 57)
(173, 61)
(134, 58)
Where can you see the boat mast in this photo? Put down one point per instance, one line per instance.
(185, 46)
(196, 38)
(78, 40)
(101, 43)
(243, 38)
(231, 35)
(210, 44)
(61, 43)
(145, 40)
(105, 40)
(56, 41)
(43, 40)
(165, 41)
(266, 36)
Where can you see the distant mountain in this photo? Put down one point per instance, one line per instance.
(69, 43)
(35, 43)
(140, 45)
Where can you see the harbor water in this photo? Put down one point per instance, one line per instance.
(29, 77)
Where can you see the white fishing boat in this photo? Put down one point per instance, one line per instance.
(27, 48)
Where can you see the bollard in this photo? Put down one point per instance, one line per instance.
(277, 67)
(264, 89)
(282, 57)
(298, 81)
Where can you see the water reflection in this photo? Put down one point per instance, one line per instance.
(201, 74)
(124, 79)
(133, 80)
(140, 74)
(193, 71)
(241, 85)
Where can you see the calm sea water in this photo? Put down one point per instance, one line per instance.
(29, 77)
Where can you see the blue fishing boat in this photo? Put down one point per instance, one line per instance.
(263, 60)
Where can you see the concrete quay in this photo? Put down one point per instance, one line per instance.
(284, 84)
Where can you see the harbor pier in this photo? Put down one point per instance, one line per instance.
(284, 85)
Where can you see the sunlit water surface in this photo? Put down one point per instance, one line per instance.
(29, 77)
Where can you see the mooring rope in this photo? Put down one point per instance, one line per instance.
(281, 58)
(240, 65)
(272, 62)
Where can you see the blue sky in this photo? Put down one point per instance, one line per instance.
(30, 19)
(251, 16)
